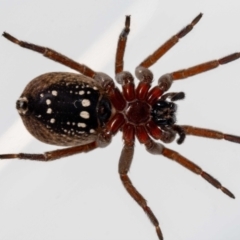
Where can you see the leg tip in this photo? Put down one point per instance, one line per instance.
(227, 192)
(10, 37)
(159, 233)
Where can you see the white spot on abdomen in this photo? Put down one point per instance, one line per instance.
(84, 114)
(54, 93)
(82, 125)
(49, 110)
(52, 120)
(85, 103)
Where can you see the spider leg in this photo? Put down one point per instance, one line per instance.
(150, 60)
(52, 155)
(157, 148)
(203, 67)
(173, 96)
(123, 169)
(103, 140)
(122, 41)
(209, 133)
(53, 55)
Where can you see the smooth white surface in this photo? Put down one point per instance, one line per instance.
(81, 197)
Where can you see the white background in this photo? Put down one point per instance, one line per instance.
(81, 197)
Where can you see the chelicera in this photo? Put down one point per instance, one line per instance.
(84, 111)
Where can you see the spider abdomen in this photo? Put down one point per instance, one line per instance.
(63, 109)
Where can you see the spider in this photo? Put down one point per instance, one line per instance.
(84, 111)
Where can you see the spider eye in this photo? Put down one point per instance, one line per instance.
(161, 121)
(161, 104)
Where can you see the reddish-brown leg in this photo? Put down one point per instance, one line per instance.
(209, 133)
(150, 60)
(52, 155)
(203, 67)
(53, 55)
(121, 46)
(123, 168)
(103, 140)
(157, 148)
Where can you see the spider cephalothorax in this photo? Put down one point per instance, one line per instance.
(85, 110)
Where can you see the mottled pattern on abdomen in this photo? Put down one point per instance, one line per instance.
(64, 112)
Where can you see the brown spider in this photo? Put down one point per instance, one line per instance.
(85, 110)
